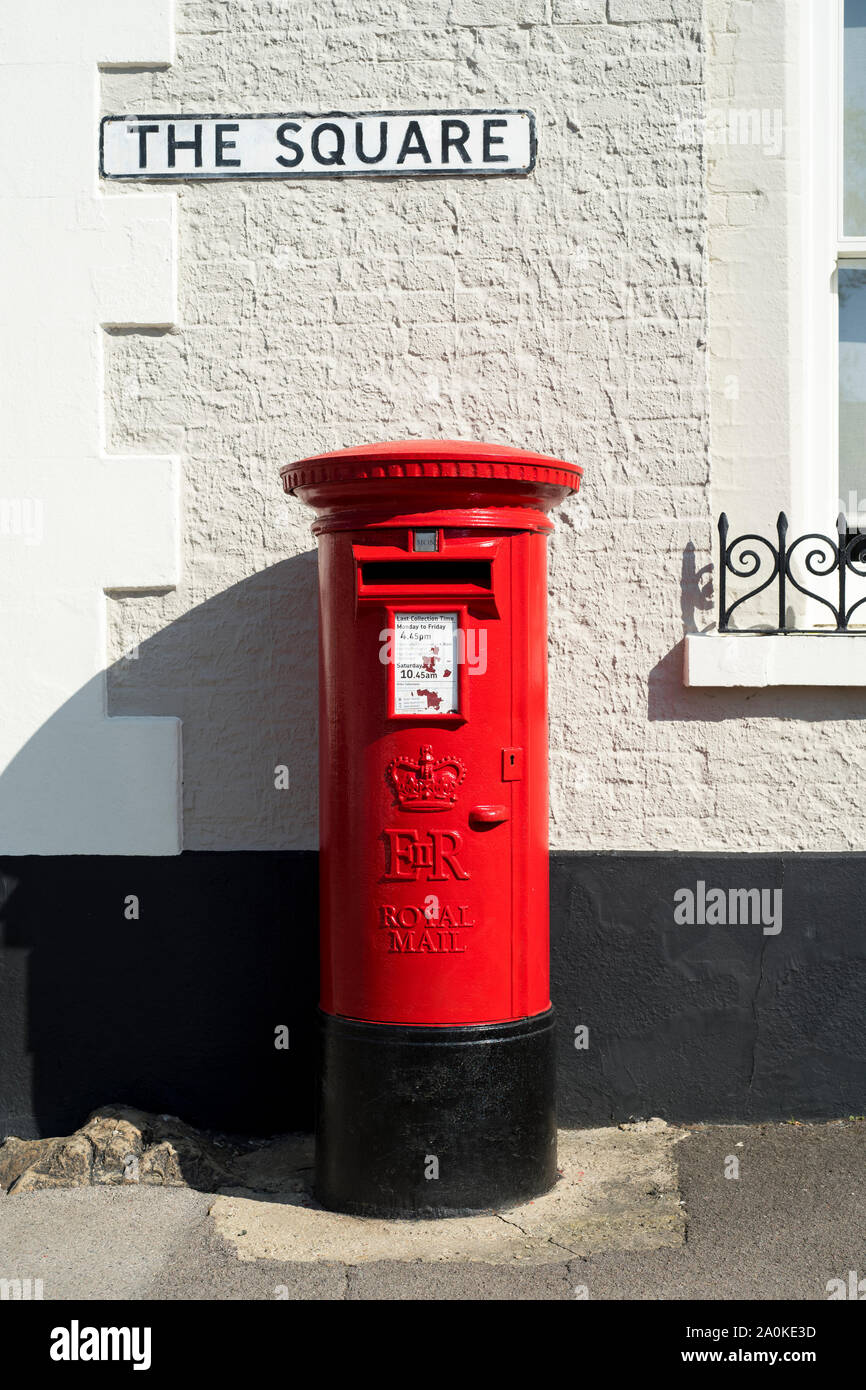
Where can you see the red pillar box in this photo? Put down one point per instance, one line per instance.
(436, 1087)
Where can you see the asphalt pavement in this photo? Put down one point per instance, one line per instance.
(771, 1212)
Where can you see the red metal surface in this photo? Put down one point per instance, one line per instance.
(373, 484)
(434, 863)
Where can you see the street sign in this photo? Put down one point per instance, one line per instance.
(336, 145)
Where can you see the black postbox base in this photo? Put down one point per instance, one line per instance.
(425, 1122)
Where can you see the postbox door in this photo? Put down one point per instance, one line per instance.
(446, 926)
(437, 820)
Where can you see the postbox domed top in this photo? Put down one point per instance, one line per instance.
(420, 473)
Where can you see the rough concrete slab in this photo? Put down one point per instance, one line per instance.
(617, 1191)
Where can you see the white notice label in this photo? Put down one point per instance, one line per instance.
(425, 663)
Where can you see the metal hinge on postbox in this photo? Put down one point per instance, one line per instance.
(512, 764)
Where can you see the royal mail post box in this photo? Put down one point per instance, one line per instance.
(436, 1087)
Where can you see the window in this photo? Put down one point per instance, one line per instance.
(825, 173)
(854, 119)
(833, 127)
(851, 294)
(851, 273)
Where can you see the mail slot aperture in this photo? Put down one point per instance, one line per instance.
(407, 574)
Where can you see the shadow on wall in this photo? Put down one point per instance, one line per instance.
(240, 670)
(175, 1009)
(668, 698)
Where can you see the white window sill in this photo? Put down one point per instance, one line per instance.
(756, 659)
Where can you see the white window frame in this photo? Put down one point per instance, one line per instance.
(816, 499)
(807, 657)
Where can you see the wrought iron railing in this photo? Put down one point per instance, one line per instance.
(843, 557)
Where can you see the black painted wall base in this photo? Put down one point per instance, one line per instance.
(435, 1121)
(177, 1010)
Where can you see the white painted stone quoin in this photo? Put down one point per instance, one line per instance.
(76, 521)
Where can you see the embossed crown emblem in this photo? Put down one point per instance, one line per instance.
(426, 783)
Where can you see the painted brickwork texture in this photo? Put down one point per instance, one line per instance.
(565, 312)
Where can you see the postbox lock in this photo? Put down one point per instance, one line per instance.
(512, 764)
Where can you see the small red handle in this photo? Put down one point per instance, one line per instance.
(488, 815)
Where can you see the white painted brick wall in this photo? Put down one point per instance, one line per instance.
(565, 312)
